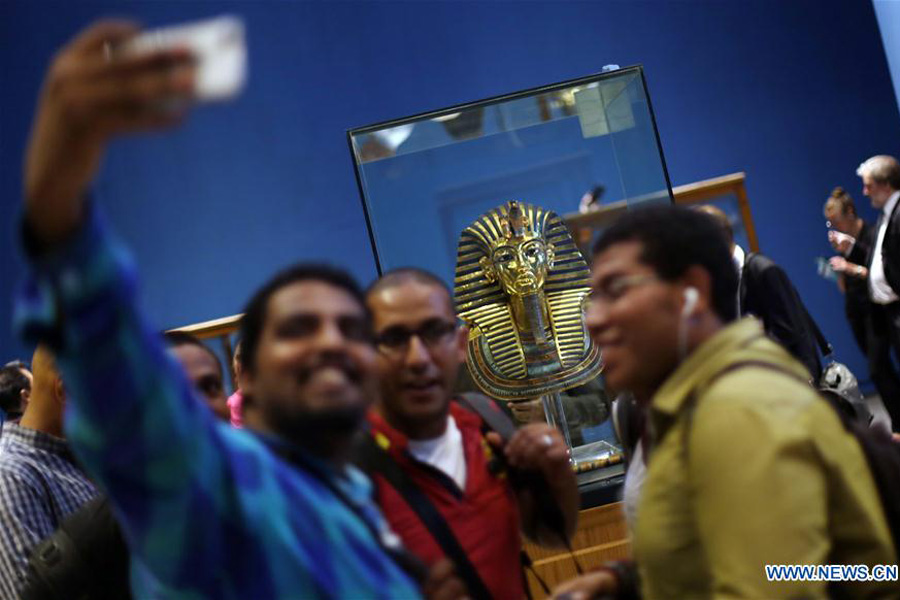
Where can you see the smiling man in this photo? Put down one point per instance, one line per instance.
(748, 466)
(439, 445)
(211, 511)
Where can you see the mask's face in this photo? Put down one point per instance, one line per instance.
(521, 266)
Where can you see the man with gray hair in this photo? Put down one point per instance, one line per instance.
(881, 183)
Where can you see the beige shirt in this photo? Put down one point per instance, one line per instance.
(763, 474)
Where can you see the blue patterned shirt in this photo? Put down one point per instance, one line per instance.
(211, 511)
(40, 485)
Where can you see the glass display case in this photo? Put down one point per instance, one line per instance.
(727, 192)
(583, 144)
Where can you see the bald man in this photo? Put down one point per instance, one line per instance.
(40, 484)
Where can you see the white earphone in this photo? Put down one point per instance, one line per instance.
(691, 295)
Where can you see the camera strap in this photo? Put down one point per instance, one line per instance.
(377, 461)
(406, 561)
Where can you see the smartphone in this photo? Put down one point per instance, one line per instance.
(218, 46)
(824, 269)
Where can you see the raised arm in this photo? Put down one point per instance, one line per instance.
(91, 94)
(132, 417)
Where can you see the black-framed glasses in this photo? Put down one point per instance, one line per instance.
(395, 340)
(617, 287)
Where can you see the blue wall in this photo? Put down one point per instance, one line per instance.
(888, 14)
(794, 93)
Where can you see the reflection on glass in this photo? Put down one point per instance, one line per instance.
(424, 179)
(728, 203)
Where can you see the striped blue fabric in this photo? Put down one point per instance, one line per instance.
(40, 485)
(211, 511)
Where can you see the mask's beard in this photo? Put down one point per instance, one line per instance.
(535, 316)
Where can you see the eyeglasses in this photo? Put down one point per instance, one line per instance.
(395, 340)
(617, 287)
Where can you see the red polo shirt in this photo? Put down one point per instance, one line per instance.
(484, 517)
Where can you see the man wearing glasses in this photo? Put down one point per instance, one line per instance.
(747, 465)
(440, 447)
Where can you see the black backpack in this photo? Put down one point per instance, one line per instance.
(85, 558)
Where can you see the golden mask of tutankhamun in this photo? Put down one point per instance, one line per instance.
(520, 286)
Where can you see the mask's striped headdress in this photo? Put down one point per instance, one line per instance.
(473, 289)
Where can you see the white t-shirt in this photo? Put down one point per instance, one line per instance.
(444, 453)
(634, 483)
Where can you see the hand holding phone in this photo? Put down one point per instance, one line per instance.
(826, 268)
(841, 242)
(217, 45)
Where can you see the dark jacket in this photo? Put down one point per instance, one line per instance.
(856, 289)
(86, 557)
(768, 294)
(890, 250)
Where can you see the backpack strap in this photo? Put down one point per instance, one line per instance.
(378, 461)
(881, 453)
(490, 413)
(550, 512)
(824, 346)
(691, 404)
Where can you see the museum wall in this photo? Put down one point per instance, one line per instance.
(794, 93)
(888, 14)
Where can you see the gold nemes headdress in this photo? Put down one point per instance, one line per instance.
(520, 286)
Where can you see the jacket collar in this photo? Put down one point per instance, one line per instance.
(702, 364)
(25, 436)
(394, 440)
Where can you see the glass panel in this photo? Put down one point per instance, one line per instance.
(596, 451)
(424, 179)
(728, 203)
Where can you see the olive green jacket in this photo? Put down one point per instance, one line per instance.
(756, 470)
